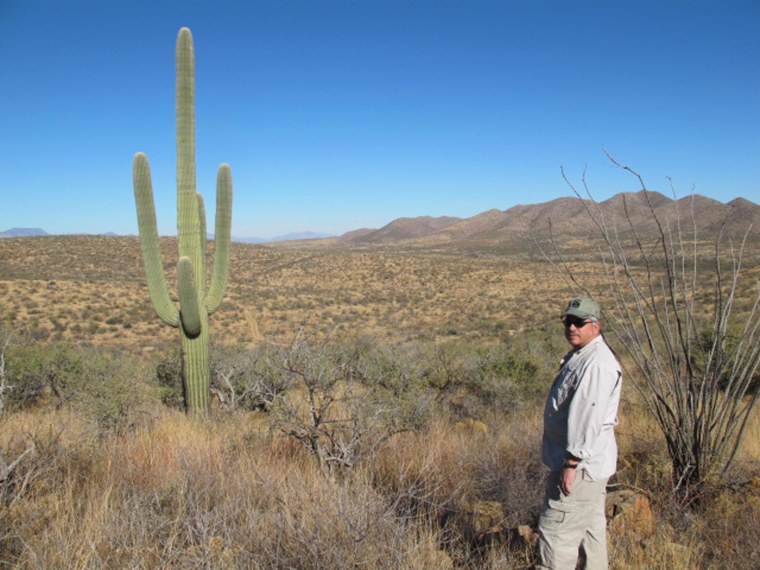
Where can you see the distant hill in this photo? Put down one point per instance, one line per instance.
(23, 232)
(404, 229)
(244, 239)
(287, 237)
(300, 236)
(37, 232)
(568, 217)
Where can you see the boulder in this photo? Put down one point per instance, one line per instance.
(480, 519)
(629, 513)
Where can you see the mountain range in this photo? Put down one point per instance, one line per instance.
(569, 217)
(23, 232)
(38, 232)
(287, 237)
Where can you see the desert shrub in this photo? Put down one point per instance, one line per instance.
(38, 371)
(449, 366)
(242, 379)
(473, 379)
(109, 390)
(706, 338)
(342, 400)
(422, 377)
(168, 377)
(392, 378)
(246, 379)
(508, 380)
(393, 367)
(103, 387)
(468, 378)
(405, 380)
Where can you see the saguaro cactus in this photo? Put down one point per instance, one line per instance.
(196, 303)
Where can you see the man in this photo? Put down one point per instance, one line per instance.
(579, 445)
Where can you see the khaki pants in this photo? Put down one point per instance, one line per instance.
(570, 521)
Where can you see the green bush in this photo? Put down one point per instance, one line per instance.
(246, 379)
(108, 391)
(102, 386)
(40, 372)
(168, 376)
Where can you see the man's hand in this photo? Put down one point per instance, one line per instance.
(566, 481)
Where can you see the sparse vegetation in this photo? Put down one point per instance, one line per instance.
(282, 289)
(231, 494)
(441, 361)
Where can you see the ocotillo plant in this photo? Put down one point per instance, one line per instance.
(196, 303)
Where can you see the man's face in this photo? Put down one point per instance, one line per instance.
(579, 332)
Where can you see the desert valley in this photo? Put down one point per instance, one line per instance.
(377, 398)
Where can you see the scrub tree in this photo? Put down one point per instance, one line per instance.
(685, 310)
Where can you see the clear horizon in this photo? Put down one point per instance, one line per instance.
(343, 114)
(305, 234)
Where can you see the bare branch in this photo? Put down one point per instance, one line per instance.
(695, 349)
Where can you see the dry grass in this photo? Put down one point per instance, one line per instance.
(177, 493)
(750, 446)
(721, 531)
(173, 493)
(181, 494)
(92, 290)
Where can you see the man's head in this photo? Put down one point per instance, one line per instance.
(581, 320)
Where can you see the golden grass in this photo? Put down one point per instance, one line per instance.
(179, 493)
(185, 494)
(92, 290)
(749, 450)
(176, 493)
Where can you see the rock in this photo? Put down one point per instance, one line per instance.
(629, 512)
(523, 536)
(480, 519)
(483, 522)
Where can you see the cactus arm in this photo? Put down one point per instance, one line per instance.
(202, 224)
(221, 238)
(146, 221)
(188, 298)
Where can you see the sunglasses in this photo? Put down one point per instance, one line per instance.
(575, 321)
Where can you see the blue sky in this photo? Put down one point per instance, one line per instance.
(341, 114)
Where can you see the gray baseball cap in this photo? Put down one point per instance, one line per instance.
(583, 308)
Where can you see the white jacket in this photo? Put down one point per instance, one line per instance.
(581, 411)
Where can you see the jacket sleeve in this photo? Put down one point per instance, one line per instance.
(588, 408)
